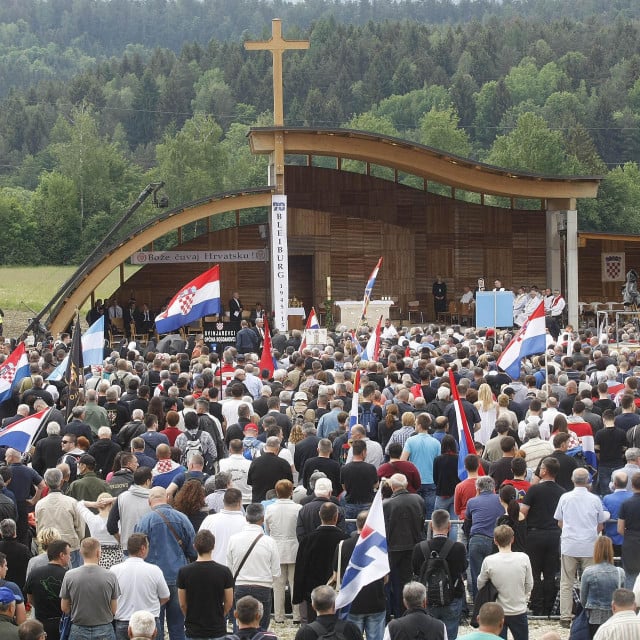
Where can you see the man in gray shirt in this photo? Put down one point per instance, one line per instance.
(89, 594)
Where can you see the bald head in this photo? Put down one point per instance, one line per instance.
(157, 495)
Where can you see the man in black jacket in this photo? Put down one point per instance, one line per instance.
(48, 449)
(404, 515)
(309, 515)
(415, 622)
(323, 601)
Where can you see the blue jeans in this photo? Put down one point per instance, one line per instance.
(351, 511)
(450, 615)
(447, 505)
(263, 594)
(479, 548)
(518, 625)
(99, 632)
(428, 493)
(604, 478)
(370, 623)
(173, 614)
(76, 559)
(629, 580)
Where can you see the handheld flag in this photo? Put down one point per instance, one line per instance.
(312, 323)
(531, 339)
(266, 360)
(13, 370)
(369, 560)
(353, 414)
(20, 434)
(372, 351)
(356, 343)
(369, 288)
(74, 369)
(198, 298)
(465, 440)
(93, 344)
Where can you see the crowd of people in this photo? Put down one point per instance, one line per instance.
(204, 491)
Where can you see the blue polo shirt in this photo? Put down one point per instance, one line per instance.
(423, 449)
(484, 510)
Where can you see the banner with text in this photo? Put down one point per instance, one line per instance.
(279, 261)
(177, 257)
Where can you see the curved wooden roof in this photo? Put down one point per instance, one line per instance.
(423, 161)
(144, 235)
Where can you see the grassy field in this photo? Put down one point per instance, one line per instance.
(35, 286)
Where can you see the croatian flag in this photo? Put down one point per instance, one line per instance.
(353, 414)
(585, 434)
(20, 434)
(465, 439)
(369, 561)
(13, 370)
(369, 288)
(531, 339)
(92, 350)
(267, 360)
(312, 323)
(198, 298)
(372, 350)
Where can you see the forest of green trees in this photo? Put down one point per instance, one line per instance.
(100, 97)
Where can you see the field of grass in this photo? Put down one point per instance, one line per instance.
(35, 286)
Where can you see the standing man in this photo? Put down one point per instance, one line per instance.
(510, 573)
(449, 609)
(359, 480)
(490, 623)
(225, 523)
(612, 503)
(129, 506)
(205, 591)
(235, 308)
(170, 535)
(439, 290)
(629, 527)
(88, 486)
(543, 535)
(415, 623)
(89, 594)
(267, 469)
(23, 480)
(254, 561)
(624, 623)
(581, 517)
(422, 449)
(404, 514)
(610, 445)
(323, 601)
(43, 587)
(142, 585)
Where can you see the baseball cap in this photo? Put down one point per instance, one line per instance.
(6, 595)
(300, 395)
(88, 460)
(250, 427)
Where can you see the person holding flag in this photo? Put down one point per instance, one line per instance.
(368, 290)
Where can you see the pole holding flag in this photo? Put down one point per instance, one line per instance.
(368, 290)
(353, 414)
(75, 367)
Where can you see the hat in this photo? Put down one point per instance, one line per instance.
(240, 356)
(251, 427)
(300, 395)
(315, 476)
(90, 461)
(6, 595)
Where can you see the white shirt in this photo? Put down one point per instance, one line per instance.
(223, 525)
(375, 455)
(262, 565)
(467, 297)
(389, 332)
(253, 384)
(97, 526)
(580, 512)
(141, 587)
(624, 625)
(280, 521)
(557, 306)
(230, 409)
(238, 466)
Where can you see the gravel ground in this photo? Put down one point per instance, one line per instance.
(15, 322)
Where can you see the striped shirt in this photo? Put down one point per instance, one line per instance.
(624, 625)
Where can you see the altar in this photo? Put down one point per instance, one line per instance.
(296, 318)
(351, 310)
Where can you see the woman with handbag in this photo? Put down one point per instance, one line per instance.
(598, 583)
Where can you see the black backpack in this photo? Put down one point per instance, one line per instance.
(368, 418)
(324, 634)
(436, 575)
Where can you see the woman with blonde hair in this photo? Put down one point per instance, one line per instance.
(110, 550)
(45, 537)
(505, 412)
(488, 409)
(598, 583)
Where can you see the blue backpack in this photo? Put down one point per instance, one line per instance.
(368, 418)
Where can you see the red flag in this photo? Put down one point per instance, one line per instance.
(266, 360)
(465, 440)
(407, 351)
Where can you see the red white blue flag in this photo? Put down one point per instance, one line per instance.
(198, 298)
(369, 288)
(530, 340)
(312, 323)
(13, 370)
(353, 414)
(465, 439)
(369, 560)
(20, 434)
(372, 350)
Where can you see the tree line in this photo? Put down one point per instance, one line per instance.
(542, 85)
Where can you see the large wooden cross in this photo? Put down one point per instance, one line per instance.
(277, 45)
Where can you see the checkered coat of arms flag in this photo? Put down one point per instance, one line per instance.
(613, 267)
